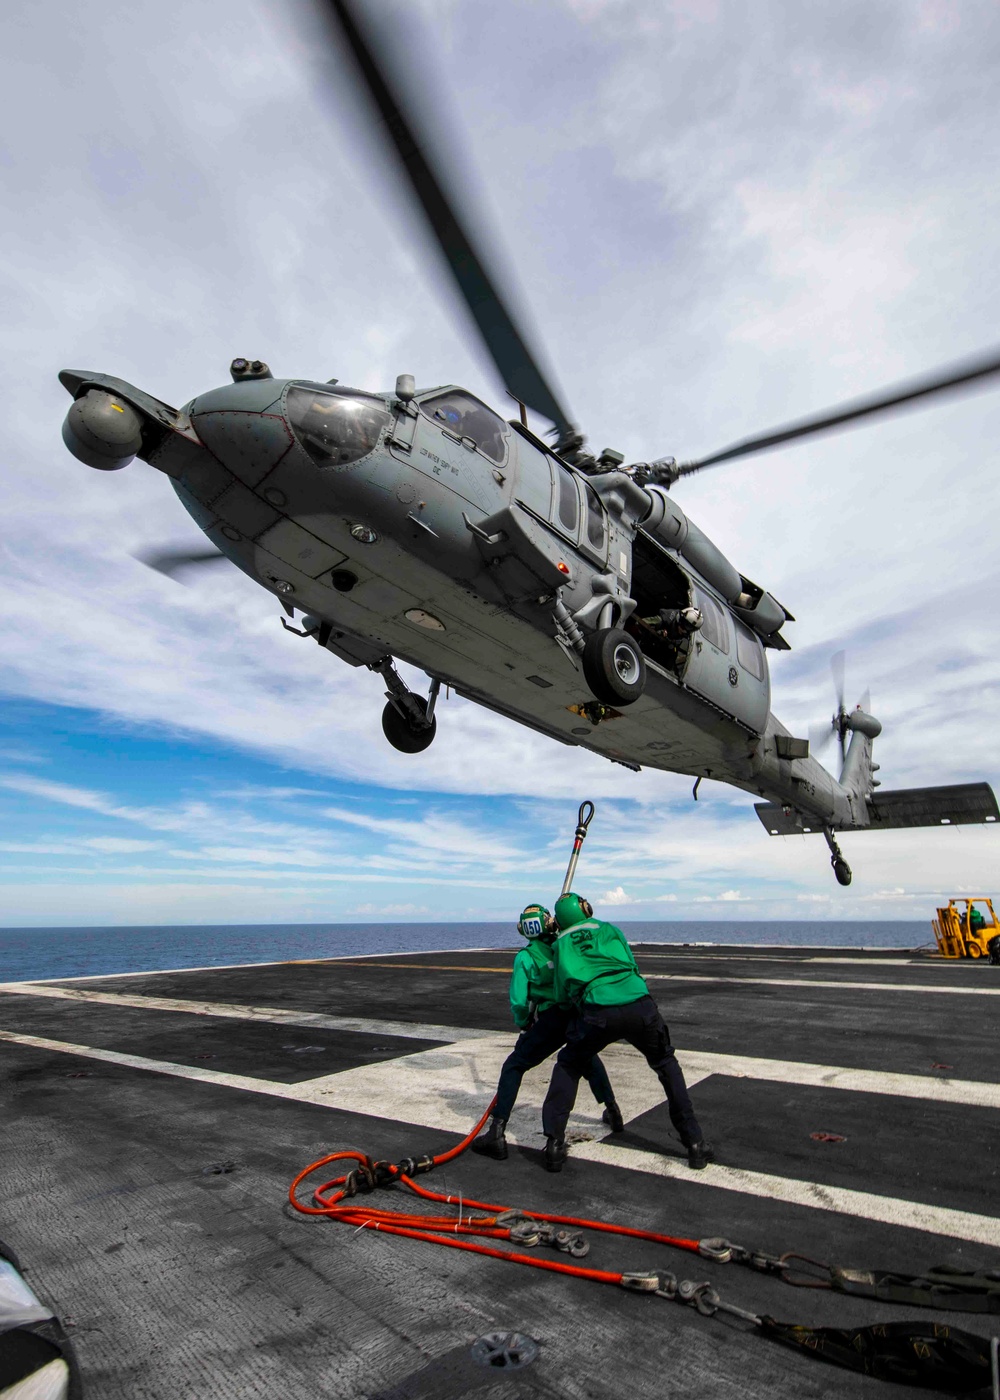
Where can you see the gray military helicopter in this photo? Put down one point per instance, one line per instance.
(568, 592)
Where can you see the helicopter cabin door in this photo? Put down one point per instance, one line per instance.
(726, 663)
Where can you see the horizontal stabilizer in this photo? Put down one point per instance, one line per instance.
(963, 804)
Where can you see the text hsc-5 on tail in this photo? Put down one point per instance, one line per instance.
(562, 589)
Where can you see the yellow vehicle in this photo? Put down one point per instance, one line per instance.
(968, 928)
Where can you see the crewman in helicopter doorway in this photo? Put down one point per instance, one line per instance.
(543, 1023)
(596, 971)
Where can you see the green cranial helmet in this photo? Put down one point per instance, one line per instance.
(535, 921)
(572, 909)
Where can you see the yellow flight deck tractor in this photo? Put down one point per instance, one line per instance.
(969, 932)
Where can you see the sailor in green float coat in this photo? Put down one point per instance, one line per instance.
(596, 971)
(543, 1022)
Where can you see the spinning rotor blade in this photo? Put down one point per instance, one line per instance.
(838, 665)
(969, 374)
(425, 169)
(171, 561)
(821, 735)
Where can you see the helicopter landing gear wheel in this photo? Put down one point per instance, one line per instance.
(613, 667)
(402, 734)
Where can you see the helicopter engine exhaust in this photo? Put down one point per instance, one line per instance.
(102, 431)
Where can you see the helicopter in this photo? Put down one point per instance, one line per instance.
(562, 589)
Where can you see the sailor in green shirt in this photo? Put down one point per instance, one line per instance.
(543, 1022)
(596, 971)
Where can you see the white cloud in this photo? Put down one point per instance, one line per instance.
(389, 911)
(615, 896)
(116, 846)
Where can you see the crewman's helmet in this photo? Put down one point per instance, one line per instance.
(535, 922)
(572, 909)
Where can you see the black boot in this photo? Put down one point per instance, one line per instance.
(556, 1153)
(699, 1155)
(612, 1115)
(492, 1143)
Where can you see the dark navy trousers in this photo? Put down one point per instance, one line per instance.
(638, 1022)
(544, 1038)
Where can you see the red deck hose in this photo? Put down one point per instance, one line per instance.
(342, 1206)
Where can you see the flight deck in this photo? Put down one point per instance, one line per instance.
(154, 1121)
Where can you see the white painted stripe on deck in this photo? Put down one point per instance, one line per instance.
(448, 1088)
(918, 987)
(913, 1215)
(697, 1064)
(280, 962)
(276, 1015)
(205, 1076)
(868, 962)
(684, 956)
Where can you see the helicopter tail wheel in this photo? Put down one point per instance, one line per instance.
(840, 867)
(614, 667)
(402, 734)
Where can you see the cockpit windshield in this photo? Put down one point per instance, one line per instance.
(335, 426)
(466, 417)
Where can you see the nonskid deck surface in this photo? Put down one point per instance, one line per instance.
(123, 1096)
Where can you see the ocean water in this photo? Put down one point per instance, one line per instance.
(35, 953)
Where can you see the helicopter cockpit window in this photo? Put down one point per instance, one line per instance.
(466, 417)
(749, 652)
(569, 501)
(335, 428)
(713, 627)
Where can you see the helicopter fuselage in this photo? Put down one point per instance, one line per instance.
(399, 534)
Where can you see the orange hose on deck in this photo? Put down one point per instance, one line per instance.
(445, 1229)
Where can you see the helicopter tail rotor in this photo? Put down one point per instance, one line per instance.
(821, 736)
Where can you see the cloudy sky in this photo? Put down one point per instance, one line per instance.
(721, 217)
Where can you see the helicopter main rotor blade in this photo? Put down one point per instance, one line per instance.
(171, 561)
(969, 374)
(505, 341)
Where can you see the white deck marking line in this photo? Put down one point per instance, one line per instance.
(869, 962)
(801, 982)
(281, 962)
(447, 1088)
(698, 1064)
(760, 957)
(276, 1015)
(912, 1215)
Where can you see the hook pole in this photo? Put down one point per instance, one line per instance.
(583, 820)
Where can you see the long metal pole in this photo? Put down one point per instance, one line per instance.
(583, 820)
